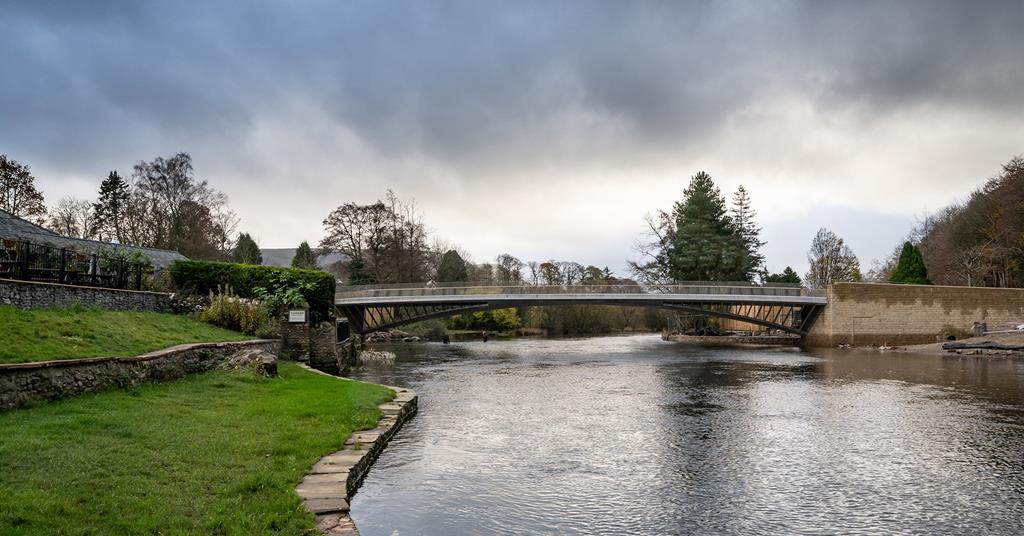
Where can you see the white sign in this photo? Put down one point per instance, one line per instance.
(296, 316)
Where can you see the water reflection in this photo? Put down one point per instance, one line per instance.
(631, 435)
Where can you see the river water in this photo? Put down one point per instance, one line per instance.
(634, 435)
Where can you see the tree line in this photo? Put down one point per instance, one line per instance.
(978, 241)
(161, 204)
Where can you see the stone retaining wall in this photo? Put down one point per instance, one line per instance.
(49, 380)
(873, 314)
(30, 294)
(326, 490)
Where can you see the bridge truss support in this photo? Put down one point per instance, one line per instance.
(363, 320)
(795, 319)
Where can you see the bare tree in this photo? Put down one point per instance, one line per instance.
(831, 260)
(509, 269)
(534, 270)
(572, 272)
(387, 238)
(168, 208)
(654, 266)
(73, 217)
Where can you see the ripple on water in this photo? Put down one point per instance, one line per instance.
(630, 435)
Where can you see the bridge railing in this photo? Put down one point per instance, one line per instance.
(466, 289)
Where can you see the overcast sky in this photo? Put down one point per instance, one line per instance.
(544, 129)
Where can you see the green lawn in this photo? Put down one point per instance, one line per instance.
(74, 332)
(215, 453)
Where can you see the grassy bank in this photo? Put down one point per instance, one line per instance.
(75, 332)
(216, 453)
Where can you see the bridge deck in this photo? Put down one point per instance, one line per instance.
(525, 299)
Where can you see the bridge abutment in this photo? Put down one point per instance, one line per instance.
(875, 314)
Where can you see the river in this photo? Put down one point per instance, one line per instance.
(634, 435)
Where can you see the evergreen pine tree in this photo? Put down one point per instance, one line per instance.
(246, 251)
(452, 267)
(357, 273)
(749, 234)
(910, 269)
(787, 276)
(705, 245)
(110, 207)
(305, 258)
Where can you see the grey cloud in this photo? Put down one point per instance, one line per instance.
(484, 90)
(457, 80)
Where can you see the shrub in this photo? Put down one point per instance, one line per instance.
(202, 277)
(240, 314)
(185, 303)
(433, 329)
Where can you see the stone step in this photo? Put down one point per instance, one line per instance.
(325, 478)
(322, 491)
(326, 506)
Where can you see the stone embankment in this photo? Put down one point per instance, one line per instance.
(21, 383)
(334, 479)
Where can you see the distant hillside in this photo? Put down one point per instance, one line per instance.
(283, 257)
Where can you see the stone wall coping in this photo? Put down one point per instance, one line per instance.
(156, 354)
(103, 289)
(325, 491)
(923, 287)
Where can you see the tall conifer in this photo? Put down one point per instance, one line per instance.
(910, 269)
(751, 260)
(705, 245)
(111, 206)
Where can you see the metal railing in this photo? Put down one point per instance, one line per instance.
(469, 289)
(31, 261)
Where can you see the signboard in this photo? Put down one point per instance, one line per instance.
(296, 316)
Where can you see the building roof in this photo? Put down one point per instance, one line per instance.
(15, 228)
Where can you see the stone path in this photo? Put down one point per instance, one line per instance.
(326, 489)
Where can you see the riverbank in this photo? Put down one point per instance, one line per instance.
(937, 348)
(397, 335)
(733, 340)
(214, 453)
(335, 478)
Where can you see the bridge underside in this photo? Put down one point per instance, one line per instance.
(795, 318)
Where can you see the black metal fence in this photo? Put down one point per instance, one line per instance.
(30, 261)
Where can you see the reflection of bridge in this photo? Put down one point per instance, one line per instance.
(374, 308)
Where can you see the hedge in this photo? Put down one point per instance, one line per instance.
(203, 276)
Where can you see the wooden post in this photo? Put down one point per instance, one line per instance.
(63, 264)
(94, 268)
(24, 259)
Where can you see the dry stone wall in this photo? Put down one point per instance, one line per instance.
(873, 314)
(21, 383)
(28, 295)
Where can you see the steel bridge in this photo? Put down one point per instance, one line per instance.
(787, 308)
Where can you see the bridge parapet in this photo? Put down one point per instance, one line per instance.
(468, 289)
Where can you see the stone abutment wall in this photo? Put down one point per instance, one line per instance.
(872, 314)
